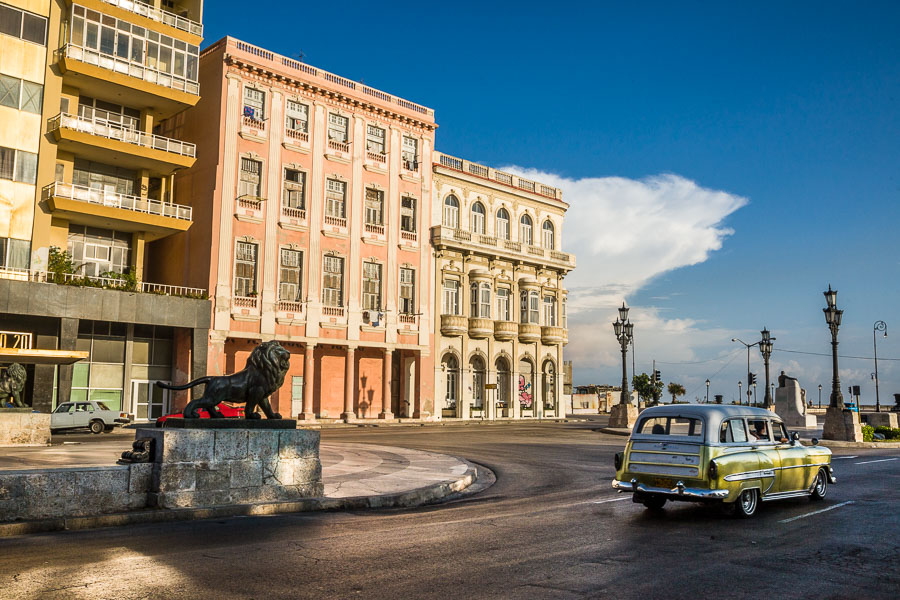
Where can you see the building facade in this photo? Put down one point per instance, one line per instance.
(499, 292)
(98, 149)
(312, 195)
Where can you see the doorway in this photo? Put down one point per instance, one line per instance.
(148, 400)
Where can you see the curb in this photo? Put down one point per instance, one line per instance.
(441, 423)
(611, 431)
(409, 499)
(842, 444)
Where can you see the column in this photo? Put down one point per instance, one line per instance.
(417, 392)
(349, 385)
(199, 357)
(308, 368)
(386, 386)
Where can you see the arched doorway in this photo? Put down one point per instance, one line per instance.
(549, 387)
(504, 408)
(525, 388)
(450, 367)
(479, 375)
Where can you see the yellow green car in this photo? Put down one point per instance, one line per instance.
(737, 456)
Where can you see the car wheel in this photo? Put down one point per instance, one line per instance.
(96, 426)
(746, 503)
(820, 487)
(655, 502)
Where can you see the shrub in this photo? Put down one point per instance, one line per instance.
(868, 433)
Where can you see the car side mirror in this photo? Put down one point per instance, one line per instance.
(815, 441)
(795, 436)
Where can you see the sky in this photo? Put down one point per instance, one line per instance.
(724, 162)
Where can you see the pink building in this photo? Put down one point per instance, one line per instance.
(311, 197)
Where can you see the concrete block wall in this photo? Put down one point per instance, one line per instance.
(18, 428)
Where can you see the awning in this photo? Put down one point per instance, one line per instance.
(41, 357)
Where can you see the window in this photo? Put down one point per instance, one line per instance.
(478, 218)
(9, 91)
(481, 300)
(759, 430)
(682, 426)
(733, 432)
(374, 139)
(337, 127)
(528, 307)
(548, 235)
(503, 304)
(250, 179)
(410, 153)
(335, 193)
(289, 281)
(407, 291)
(297, 117)
(294, 186)
(451, 372)
(245, 269)
(450, 297)
(526, 236)
(371, 292)
(18, 165)
(333, 281)
(562, 314)
(15, 254)
(503, 224)
(451, 212)
(254, 104)
(478, 381)
(7, 163)
(550, 311)
(108, 113)
(99, 250)
(374, 207)
(19, 94)
(503, 381)
(23, 25)
(32, 96)
(98, 176)
(408, 214)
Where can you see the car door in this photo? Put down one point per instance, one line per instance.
(83, 413)
(769, 460)
(63, 416)
(795, 474)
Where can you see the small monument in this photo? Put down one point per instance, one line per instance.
(789, 403)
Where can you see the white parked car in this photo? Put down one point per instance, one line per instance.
(92, 414)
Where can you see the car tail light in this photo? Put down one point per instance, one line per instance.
(713, 470)
(617, 461)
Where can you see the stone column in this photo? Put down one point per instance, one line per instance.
(199, 357)
(417, 392)
(386, 386)
(68, 336)
(308, 369)
(349, 385)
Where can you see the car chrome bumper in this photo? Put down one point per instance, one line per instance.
(679, 491)
(123, 421)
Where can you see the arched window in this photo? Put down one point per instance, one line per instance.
(549, 387)
(478, 218)
(451, 376)
(526, 233)
(548, 235)
(478, 380)
(503, 224)
(451, 212)
(525, 389)
(503, 382)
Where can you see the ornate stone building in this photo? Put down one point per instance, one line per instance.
(499, 292)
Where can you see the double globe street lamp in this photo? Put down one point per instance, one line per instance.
(765, 348)
(624, 333)
(833, 319)
(879, 326)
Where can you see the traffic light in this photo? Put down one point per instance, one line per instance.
(657, 376)
(752, 378)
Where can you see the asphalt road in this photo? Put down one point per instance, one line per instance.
(550, 527)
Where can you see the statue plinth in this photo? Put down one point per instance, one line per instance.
(623, 416)
(842, 425)
(231, 424)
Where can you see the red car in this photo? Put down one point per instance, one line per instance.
(229, 412)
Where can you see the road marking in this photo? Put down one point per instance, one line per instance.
(866, 462)
(815, 512)
(842, 457)
(611, 500)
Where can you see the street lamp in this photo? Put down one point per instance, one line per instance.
(740, 386)
(820, 395)
(707, 391)
(833, 319)
(624, 334)
(749, 377)
(879, 326)
(765, 348)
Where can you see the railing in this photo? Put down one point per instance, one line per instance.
(407, 319)
(465, 166)
(293, 213)
(75, 279)
(253, 123)
(557, 255)
(126, 67)
(124, 201)
(330, 77)
(409, 236)
(333, 311)
(300, 136)
(514, 246)
(535, 251)
(115, 131)
(376, 156)
(156, 14)
(462, 235)
(372, 228)
(245, 301)
(291, 307)
(336, 221)
(250, 202)
(339, 146)
(487, 240)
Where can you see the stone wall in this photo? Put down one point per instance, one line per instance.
(20, 427)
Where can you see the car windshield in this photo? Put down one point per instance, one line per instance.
(102, 406)
(62, 408)
(682, 426)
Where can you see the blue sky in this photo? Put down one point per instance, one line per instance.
(782, 117)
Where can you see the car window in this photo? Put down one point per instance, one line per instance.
(82, 407)
(733, 432)
(779, 432)
(681, 426)
(102, 406)
(63, 408)
(759, 430)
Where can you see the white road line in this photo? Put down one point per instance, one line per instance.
(611, 500)
(866, 462)
(844, 457)
(815, 512)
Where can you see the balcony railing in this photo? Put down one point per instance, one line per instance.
(126, 67)
(443, 234)
(124, 201)
(115, 131)
(250, 203)
(252, 123)
(336, 221)
(376, 229)
(376, 157)
(156, 14)
(77, 280)
(293, 213)
(339, 146)
(407, 319)
(333, 311)
(464, 166)
(291, 307)
(245, 301)
(408, 236)
(300, 136)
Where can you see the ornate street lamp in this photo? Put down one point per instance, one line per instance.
(740, 387)
(765, 348)
(879, 326)
(749, 376)
(707, 391)
(624, 330)
(820, 395)
(833, 319)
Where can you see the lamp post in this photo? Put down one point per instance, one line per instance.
(624, 329)
(765, 348)
(740, 387)
(833, 319)
(707, 391)
(748, 364)
(879, 326)
(820, 395)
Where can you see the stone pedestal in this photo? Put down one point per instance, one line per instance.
(842, 425)
(221, 466)
(23, 427)
(623, 416)
(882, 419)
(789, 404)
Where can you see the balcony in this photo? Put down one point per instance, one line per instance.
(480, 328)
(160, 16)
(501, 177)
(100, 140)
(249, 209)
(407, 321)
(454, 325)
(505, 331)
(108, 283)
(293, 218)
(529, 333)
(442, 236)
(98, 208)
(131, 83)
(295, 137)
(554, 336)
(245, 308)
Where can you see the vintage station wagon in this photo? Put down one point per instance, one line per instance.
(733, 455)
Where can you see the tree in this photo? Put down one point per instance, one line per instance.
(650, 391)
(676, 389)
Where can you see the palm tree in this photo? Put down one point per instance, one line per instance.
(676, 389)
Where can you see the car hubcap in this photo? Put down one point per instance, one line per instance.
(748, 501)
(820, 484)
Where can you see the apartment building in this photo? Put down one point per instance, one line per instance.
(499, 269)
(97, 127)
(311, 197)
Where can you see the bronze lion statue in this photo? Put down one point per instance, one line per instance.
(264, 374)
(12, 383)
